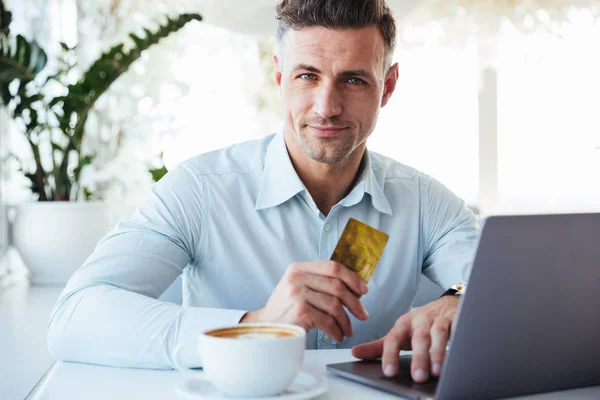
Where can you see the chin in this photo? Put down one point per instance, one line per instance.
(326, 158)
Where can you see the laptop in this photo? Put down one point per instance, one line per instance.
(529, 321)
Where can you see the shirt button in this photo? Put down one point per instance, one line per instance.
(326, 338)
(327, 228)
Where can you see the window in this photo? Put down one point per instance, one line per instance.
(549, 130)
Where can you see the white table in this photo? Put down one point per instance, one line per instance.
(24, 358)
(81, 381)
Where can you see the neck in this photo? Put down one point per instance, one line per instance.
(326, 183)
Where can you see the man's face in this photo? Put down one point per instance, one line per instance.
(333, 83)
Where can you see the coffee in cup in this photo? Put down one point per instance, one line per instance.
(253, 332)
(252, 360)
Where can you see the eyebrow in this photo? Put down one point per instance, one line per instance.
(345, 74)
(306, 67)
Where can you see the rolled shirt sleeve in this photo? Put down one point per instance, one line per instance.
(450, 231)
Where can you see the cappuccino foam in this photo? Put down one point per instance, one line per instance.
(253, 332)
(258, 335)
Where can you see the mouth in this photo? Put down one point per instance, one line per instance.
(327, 130)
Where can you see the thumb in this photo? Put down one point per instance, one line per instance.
(368, 351)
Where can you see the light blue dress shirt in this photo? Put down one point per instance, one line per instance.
(231, 222)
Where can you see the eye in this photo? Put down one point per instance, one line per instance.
(308, 77)
(356, 81)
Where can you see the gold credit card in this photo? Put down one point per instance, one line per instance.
(360, 248)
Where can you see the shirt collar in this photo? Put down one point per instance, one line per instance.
(280, 182)
(367, 183)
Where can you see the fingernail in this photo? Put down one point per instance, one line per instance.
(420, 375)
(364, 288)
(389, 370)
(435, 368)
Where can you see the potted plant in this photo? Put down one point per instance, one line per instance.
(55, 234)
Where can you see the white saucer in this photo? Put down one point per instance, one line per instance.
(305, 386)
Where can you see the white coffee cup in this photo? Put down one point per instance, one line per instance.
(251, 360)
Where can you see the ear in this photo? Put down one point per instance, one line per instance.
(390, 84)
(278, 66)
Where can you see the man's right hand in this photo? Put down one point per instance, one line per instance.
(312, 295)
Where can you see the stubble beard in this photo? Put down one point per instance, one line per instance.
(326, 150)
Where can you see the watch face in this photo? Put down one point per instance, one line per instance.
(451, 292)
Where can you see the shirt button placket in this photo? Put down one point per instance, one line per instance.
(324, 341)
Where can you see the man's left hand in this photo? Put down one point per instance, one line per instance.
(425, 331)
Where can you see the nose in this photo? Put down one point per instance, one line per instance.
(328, 101)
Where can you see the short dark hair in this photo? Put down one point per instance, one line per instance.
(338, 14)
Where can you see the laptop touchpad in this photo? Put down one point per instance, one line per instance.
(369, 372)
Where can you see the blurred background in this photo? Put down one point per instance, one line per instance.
(497, 99)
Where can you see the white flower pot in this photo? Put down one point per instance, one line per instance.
(55, 238)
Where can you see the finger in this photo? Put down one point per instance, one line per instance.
(421, 342)
(307, 316)
(368, 351)
(334, 269)
(440, 332)
(327, 324)
(337, 288)
(333, 306)
(392, 343)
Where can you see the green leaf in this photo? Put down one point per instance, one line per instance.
(33, 116)
(39, 61)
(158, 173)
(4, 48)
(23, 51)
(29, 100)
(35, 188)
(5, 19)
(57, 147)
(139, 42)
(19, 108)
(55, 101)
(64, 46)
(87, 194)
(5, 93)
(83, 161)
(20, 59)
(52, 77)
(151, 38)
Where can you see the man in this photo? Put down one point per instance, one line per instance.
(251, 227)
